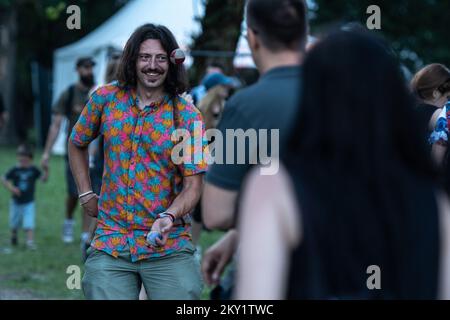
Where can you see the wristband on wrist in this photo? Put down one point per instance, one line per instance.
(166, 214)
(85, 194)
(86, 199)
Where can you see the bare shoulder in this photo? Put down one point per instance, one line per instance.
(272, 184)
(273, 197)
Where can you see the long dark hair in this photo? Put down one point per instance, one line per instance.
(432, 77)
(359, 163)
(176, 82)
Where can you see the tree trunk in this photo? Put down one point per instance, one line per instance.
(221, 26)
(8, 40)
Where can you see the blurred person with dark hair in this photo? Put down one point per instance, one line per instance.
(69, 106)
(277, 35)
(357, 189)
(144, 192)
(20, 181)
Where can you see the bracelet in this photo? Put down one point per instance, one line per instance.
(82, 203)
(85, 194)
(166, 214)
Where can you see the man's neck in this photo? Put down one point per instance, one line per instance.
(148, 96)
(280, 59)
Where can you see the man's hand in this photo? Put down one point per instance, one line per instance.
(218, 256)
(44, 176)
(163, 226)
(91, 206)
(44, 162)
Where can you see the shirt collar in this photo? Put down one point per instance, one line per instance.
(134, 100)
(283, 71)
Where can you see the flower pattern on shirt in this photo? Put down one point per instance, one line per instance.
(140, 179)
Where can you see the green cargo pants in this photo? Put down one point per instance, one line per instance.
(173, 277)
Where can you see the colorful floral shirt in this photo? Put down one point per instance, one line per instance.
(441, 129)
(140, 179)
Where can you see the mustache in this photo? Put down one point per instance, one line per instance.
(157, 70)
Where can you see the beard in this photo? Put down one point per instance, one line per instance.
(152, 77)
(87, 81)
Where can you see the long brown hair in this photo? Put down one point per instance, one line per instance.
(206, 105)
(432, 77)
(176, 81)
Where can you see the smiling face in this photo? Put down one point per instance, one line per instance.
(152, 65)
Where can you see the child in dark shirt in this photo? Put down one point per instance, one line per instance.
(20, 181)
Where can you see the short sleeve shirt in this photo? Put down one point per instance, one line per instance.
(140, 178)
(24, 179)
(440, 133)
(270, 104)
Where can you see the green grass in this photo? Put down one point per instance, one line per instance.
(41, 274)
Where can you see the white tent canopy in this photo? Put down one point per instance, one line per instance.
(178, 15)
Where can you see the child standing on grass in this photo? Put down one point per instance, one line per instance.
(20, 181)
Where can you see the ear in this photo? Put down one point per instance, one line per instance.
(252, 39)
(436, 94)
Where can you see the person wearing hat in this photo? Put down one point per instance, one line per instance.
(69, 105)
(217, 86)
(199, 92)
(217, 78)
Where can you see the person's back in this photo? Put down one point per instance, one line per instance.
(277, 34)
(344, 236)
(365, 189)
(257, 120)
(362, 182)
(271, 103)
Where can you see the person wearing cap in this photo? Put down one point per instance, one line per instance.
(143, 234)
(69, 106)
(218, 88)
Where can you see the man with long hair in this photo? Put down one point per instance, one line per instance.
(69, 105)
(144, 190)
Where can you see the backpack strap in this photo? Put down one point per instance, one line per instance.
(69, 100)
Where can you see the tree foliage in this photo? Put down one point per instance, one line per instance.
(419, 26)
(221, 28)
(41, 28)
